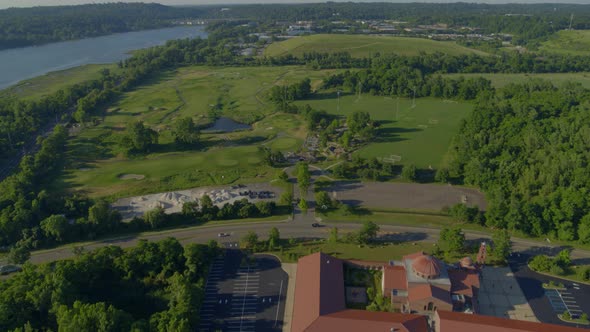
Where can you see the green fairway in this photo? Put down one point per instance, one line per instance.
(41, 86)
(575, 42)
(364, 45)
(501, 80)
(419, 135)
(98, 167)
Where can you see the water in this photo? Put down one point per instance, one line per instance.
(24, 63)
(226, 125)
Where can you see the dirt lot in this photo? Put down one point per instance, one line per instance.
(405, 195)
(172, 201)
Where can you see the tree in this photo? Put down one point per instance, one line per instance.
(541, 263)
(368, 232)
(563, 259)
(333, 238)
(566, 231)
(451, 240)
(303, 176)
(206, 203)
(265, 208)
(139, 138)
(155, 218)
(274, 238)
(18, 254)
(357, 121)
(91, 317)
(286, 198)
(303, 205)
(250, 240)
(502, 246)
(584, 229)
(102, 218)
(185, 132)
(409, 172)
(55, 227)
(442, 175)
(323, 200)
(190, 208)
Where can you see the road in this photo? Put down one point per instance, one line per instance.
(299, 227)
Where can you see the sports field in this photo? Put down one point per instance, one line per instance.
(98, 167)
(364, 45)
(420, 135)
(38, 87)
(575, 42)
(501, 80)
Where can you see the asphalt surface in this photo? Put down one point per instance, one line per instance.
(547, 304)
(244, 296)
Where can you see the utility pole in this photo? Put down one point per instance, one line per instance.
(338, 107)
(571, 20)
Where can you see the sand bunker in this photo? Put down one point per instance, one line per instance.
(131, 177)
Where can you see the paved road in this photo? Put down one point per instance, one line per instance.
(575, 297)
(300, 227)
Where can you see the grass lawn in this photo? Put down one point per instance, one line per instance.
(364, 45)
(575, 42)
(501, 80)
(96, 161)
(420, 135)
(38, 87)
(377, 252)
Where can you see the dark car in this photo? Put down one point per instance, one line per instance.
(315, 224)
(7, 269)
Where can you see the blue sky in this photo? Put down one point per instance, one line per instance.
(28, 3)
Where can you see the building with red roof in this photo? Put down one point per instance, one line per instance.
(424, 284)
(447, 321)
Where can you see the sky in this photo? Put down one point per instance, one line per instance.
(29, 3)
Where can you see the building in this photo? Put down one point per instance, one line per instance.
(420, 282)
(320, 304)
(446, 321)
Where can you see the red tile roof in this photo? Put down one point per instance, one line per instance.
(464, 282)
(319, 303)
(459, 322)
(427, 266)
(394, 277)
(424, 291)
(361, 320)
(319, 289)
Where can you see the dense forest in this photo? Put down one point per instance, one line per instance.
(21, 27)
(528, 148)
(155, 286)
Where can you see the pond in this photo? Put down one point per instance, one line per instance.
(226, 125)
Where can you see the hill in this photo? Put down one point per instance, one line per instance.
(575, 42)
(364, 45)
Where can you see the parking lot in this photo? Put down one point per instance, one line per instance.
(546, 303)
(244, 295)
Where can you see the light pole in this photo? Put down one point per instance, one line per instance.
(338, 107)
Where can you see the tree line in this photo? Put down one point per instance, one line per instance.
(155, 286)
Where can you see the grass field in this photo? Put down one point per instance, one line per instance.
(419, 135)
(38, 87)
(364, 45)
(501, 80)
(96, 162)
(575, 42)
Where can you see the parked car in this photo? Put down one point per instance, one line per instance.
(222, 234)
(315, 224)
(7, 269)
